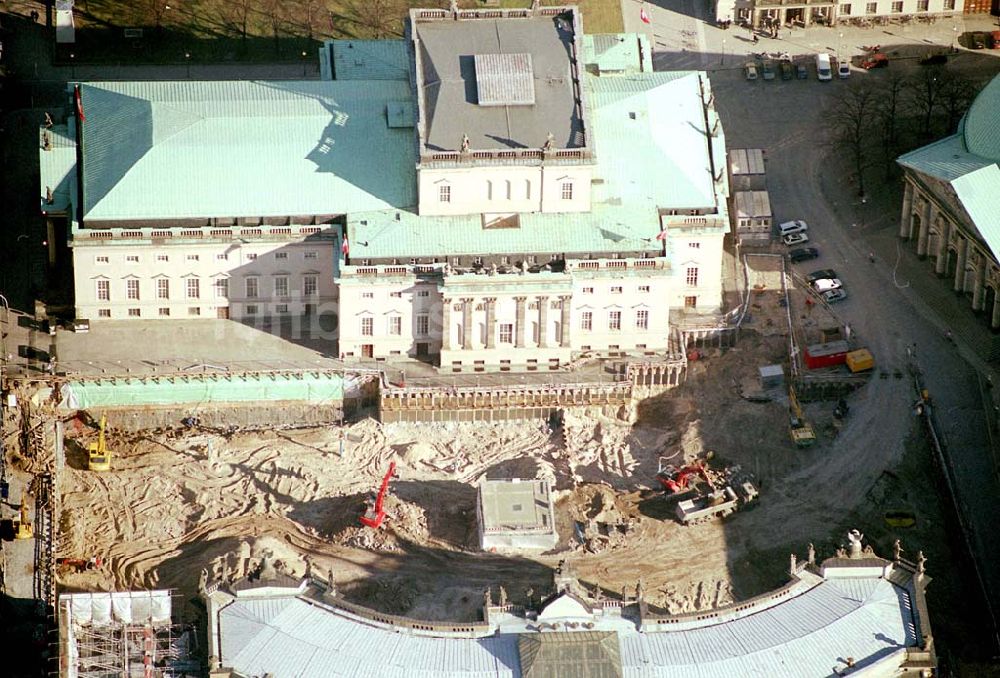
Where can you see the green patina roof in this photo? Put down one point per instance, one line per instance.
(57, 166)
(617, 52)
(371, 60)
(176, 150)
(982, 123)
(649, 133)
(967, 161)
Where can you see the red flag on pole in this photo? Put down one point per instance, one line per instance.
(79, 105)
(643, 15)
(345, 247)
(662, 235)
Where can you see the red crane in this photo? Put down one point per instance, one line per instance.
(375, 513)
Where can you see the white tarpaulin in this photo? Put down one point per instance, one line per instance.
(121, 607)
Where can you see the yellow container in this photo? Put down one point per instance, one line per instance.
(860, 360)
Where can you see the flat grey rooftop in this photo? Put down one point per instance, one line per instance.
(523, 61)
(515, 504)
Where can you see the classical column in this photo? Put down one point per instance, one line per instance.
(925, 228)
(906, 218)
(944, 235)
(564, 322)
(995, 319)
(467, 323)
(543, 321)
(446, 325)
(519, 321)
(979, 284)
(491, 321)
(963, 258)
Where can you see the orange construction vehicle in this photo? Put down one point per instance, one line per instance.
(676, 480)
(374, 512)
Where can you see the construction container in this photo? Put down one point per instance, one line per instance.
(860, 360)
(771, 376)
(826, 355)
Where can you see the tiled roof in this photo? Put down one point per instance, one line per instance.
(177, 150)
(370, 60)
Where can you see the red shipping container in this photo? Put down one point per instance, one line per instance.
(826, 355)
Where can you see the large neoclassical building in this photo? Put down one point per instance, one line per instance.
(951, 204)
(497, 189)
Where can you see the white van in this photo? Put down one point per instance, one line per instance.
(823, 69)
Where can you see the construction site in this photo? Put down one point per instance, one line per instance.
(679, 471)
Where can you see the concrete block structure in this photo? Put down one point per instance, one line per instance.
(515, 515)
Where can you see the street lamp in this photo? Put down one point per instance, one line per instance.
(304, 55)
(954, 36)
(723, 59)
(840, 44)
(72, 65)
(187, 60)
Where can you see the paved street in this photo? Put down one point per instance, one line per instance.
(895, 302)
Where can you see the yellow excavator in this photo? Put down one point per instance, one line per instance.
(98, 456)
(800, 430)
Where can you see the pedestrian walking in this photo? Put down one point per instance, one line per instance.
(755, 38)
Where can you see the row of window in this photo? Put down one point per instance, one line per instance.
(163, 312)
(616, 289)
(897, 7)
(395, 295)
(192, 287)
(222, 256)
(394, 325)
(565, 191)
(615, 320)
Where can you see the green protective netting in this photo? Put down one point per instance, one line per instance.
(310, 388)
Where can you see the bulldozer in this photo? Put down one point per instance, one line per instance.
(800, 430)
(98, 456)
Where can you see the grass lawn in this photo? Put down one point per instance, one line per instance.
(211, 31)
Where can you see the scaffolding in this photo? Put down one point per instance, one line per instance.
(127, 634)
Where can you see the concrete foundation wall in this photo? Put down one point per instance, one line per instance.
(223, 415)
(518, 542)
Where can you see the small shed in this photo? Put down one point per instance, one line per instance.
(752, 214)
(771, 376)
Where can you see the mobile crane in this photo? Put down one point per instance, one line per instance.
(375, 512)
(800, 430)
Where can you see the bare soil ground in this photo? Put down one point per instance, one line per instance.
(178, 501)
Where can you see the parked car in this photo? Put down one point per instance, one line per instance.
(787, 70)
(833, 296)
(820, 274)
(794, 226)
(803, 254)
(795, 239)
(843, 69)
(751, 70)
(827, 284)
(978, 40)
(801, 72)
(876, 60)
(767, 69)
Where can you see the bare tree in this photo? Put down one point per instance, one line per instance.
(924, 92)
(274, 11)
(377, 18)
(891, 104)
(853, 125)
(238, 13)
(310, 11)
(957, 94)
